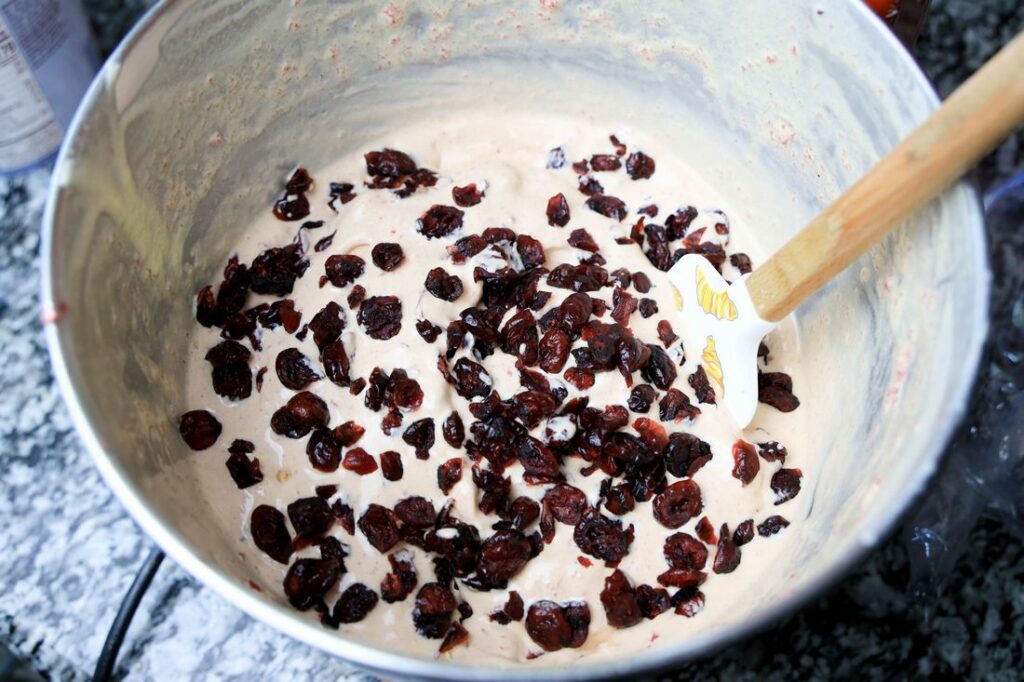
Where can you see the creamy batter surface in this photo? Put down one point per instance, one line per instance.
(588, 498)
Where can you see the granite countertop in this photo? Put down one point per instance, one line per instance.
(68, 551)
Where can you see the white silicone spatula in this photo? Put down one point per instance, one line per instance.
(723, 323)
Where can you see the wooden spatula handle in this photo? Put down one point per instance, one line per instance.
(982, 112)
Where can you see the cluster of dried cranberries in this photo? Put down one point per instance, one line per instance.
(536, 429)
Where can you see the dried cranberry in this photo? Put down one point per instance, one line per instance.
(590, 186)
(702, 387)
(357, 386)
(652, 601)
(659, 369)
(199, 429)
(556, 626)
(308, 580)
(524, 511)
(685, 552)
(745, 461)
(727, 556)
(771, 526)
(232, 381)
(311, 517)
(677, 223)
(281, 313)
(416, 512)
(387, 256)
(340, 191)
(336, 363)
(786, 484)
(327, 325)
(502, 556)
(706, 531)
(602, 537)
(270, 534)
(677, 504)
(292, 206)
(558, 211)
(512, 610)
(244, 472)
(686, 454)
(232, 291)
(467, 196)
(381, 317)
(293, 369)
(301, 414)
(448, 474)
(453, 431)
(345, 516)
(494, 491)
(688, 602)
(208, 313)
(391, 465)
(605, 162)
(326, 491)
(389, 163)
(471, 379)
(432, 613)
(675, 406)
(344, 269)
(606, 205)
(355, 603)
(359, 461)
(579, 278)
(582, 379)
(380, 527)
(573, 313)
(442, 285)
(428, 330)
(420, 435)
(651, 433)
(776, 389)
(275, 270)
(744, 533)
(581, 239)
(619, 600)
(553, 350)
(624, 307)
(323, 450)
(456, 636)
(532, 407)
(403, 392)
(641, 397)
(618, 499)
(772, 451)
(530, 250)
(540, 464)
(391, 421)
(440, 221)
(348, 434)
(639, 166)
(741, 262)
(566, 503)
(401, 581)
(665, 333)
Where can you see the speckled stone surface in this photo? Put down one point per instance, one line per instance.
(68, 551)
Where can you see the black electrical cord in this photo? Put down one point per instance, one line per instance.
(118, 629)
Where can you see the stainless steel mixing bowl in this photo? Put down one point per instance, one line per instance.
(196, 117)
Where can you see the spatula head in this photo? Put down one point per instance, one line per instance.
(722, 331)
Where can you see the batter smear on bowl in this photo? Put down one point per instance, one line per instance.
(443, 395)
